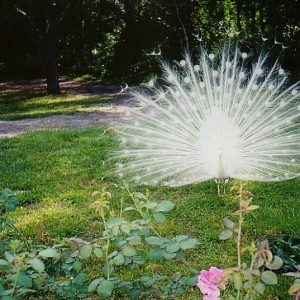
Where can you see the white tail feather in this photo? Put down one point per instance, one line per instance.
(214, 120)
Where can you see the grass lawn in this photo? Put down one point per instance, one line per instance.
(54, 174)
(21, 105)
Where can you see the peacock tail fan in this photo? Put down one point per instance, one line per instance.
(216, 119)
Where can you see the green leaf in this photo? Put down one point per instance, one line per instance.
(148, 281)
(9, 257)
(125, 285)
(154, 240)
(181, 237)
(225, 234)
(260, 288)
(173, 247)
(237, 280)
(93, 285)
(113, 254)
(155, 254)
(112, 222)
(134, 293)
(294, 288)
(259, 262)
(276, 263)
(159, 217)
(251, 208)
(8, 298)
(80, 278)
(134, 240)
(115, 230)
(128, 208)
(128, 251)
(269, 277)
(188, 244)
(191, 281)
(119, 260)
(37, 265)
(169, 256)
(98, 252)
(105, 289)
(255, 272)
(125, 228)
(247, 274)
(10, 207)
(176, 276)
(70, 260)
(14, 200)
(139, 195)
(37, 284)
(293, 274)
(77, 265)
(165, 205)
(228, 223)
(151, 204)
(7, 192)
(49, 253)
(7, 292)
(4, 263)
(24, 290)
(85, 251)
(106, 270)
(22, 279)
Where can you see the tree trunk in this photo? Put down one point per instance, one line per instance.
(50, 53)
(52, 74)
(45, 28)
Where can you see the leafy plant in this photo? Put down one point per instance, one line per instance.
(288, 249)
(251, 279)
(124, 242)
(124, 245)
(8, 203)
(295, 288)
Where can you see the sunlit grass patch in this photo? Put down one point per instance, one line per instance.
(49, 220)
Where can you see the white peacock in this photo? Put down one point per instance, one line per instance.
(214, 120)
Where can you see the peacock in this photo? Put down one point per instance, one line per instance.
(229, 115)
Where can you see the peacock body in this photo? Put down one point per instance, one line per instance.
(213, 120)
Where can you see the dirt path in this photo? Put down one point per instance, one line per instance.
(103, 116)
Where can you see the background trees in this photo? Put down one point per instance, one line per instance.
(117, 40)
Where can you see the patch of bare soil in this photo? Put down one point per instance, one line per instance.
(103, 115)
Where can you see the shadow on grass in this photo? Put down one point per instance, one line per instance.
(20, 105)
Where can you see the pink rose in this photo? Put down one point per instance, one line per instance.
(209, 282)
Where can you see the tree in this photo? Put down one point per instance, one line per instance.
(114, 40)
(42, 16)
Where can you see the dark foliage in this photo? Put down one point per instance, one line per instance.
(288, 249)
(113, 40)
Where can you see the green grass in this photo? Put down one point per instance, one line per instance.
(54, 173)
(19, 105)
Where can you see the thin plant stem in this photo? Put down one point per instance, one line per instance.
(107, 244)
(241, 219)
(142, 213)
(239, 234)
(22, 237)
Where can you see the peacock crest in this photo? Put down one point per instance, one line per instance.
(216, 119)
